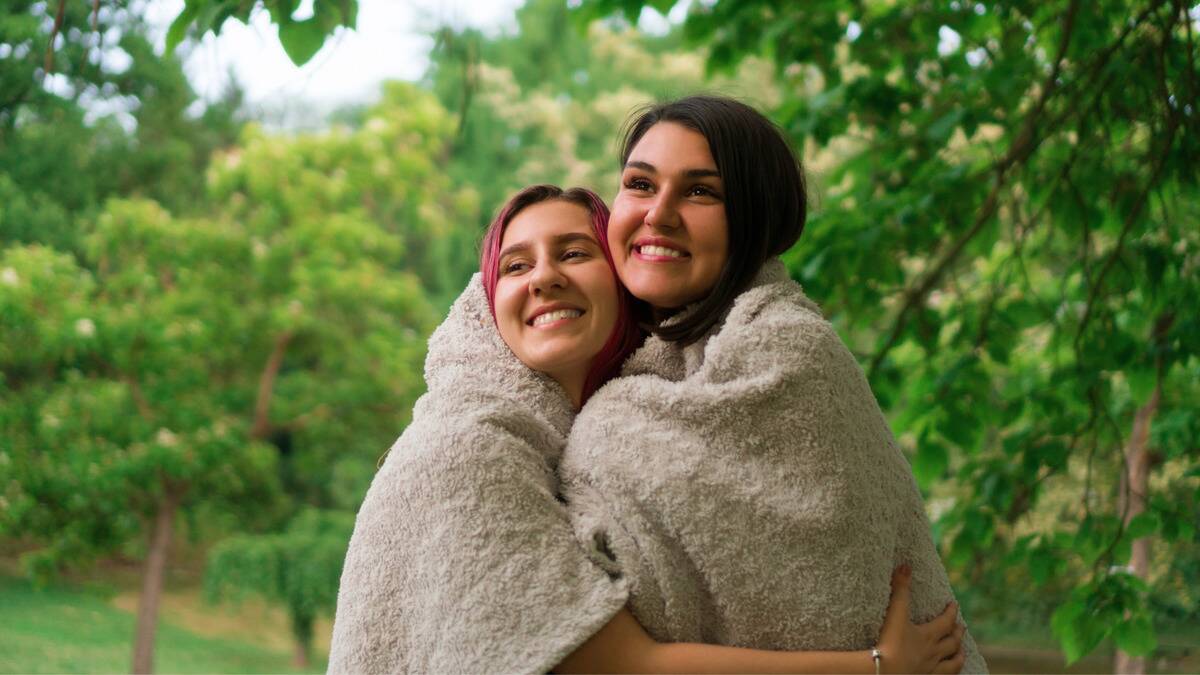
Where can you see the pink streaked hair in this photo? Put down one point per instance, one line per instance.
(626, 336)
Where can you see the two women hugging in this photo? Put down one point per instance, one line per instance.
(642, 448)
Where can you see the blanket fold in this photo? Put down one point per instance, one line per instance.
(749, 486)
(463, 558)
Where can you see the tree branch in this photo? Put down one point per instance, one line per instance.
(915, 296)
(1102, 59)
(266, 385)
(87, 48)
(1020, 150)
(48, 65)
(139, 398)
(1134, 212)
(1025, 143)
(1131, 498)
(1191, 64)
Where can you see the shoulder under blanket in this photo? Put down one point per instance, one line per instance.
(749, 487)
(463, 558)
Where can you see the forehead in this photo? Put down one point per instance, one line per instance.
(547, 220)
(668, 145)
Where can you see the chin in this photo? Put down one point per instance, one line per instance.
(658, 296)
(652, 288)
(553, 361)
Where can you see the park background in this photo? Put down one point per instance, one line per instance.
(214, 301)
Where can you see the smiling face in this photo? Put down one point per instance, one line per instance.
(668, 233)
(556, 299)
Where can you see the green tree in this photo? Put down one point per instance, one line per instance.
(247, 361)
(1007, 237)
(98, 117)
(298, 568)
(113, 422)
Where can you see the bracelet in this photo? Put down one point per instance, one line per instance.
(875, 656)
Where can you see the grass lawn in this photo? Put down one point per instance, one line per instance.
(63, 629)
(88, 628)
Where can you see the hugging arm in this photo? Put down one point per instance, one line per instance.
(623, 646)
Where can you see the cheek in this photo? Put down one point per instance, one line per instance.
(603, 296)
(508, 313)
(621, 225)
(716, 238)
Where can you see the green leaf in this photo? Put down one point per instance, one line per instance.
(333, 13)
(931, 462)
(1042, 565)
(179, 26)
(301, 40)
(282, 10)
(941, 128)
(1136, 636)
(1064, 624)
(1141, 384)
(1143, 525)
(1078, 632)
(1024, 313)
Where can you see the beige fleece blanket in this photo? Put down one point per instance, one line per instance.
(749, 487)
(463, 558)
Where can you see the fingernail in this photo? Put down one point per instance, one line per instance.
(906, 570)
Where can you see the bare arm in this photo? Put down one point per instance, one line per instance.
(623, 646)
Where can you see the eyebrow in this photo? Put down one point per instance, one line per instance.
(690, 173)
(559, 240)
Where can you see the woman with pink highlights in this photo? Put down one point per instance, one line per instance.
(464, 558)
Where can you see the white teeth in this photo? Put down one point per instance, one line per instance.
(556, 315)
(661, 250)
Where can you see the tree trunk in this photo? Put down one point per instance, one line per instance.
(266, 385)
(302, 632)
(1137, 467)
(152, 583)
(300, 656)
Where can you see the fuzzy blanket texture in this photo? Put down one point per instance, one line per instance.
(463, 558)
(749, 487)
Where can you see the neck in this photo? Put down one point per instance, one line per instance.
(572, 383)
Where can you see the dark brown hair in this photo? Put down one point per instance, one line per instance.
(766, 201)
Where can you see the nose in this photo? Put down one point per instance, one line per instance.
(544, 277)
(663, 214)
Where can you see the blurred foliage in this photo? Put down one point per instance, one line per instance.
(298, 568)
(183, 339)
(71, 29)
(544, 103)
(60, 156)
(1008, 238)
(198, 312)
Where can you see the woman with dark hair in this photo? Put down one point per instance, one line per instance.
(740, 474)
(462, 558)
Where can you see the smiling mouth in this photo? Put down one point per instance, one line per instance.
(660, 252)
(548, 318)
